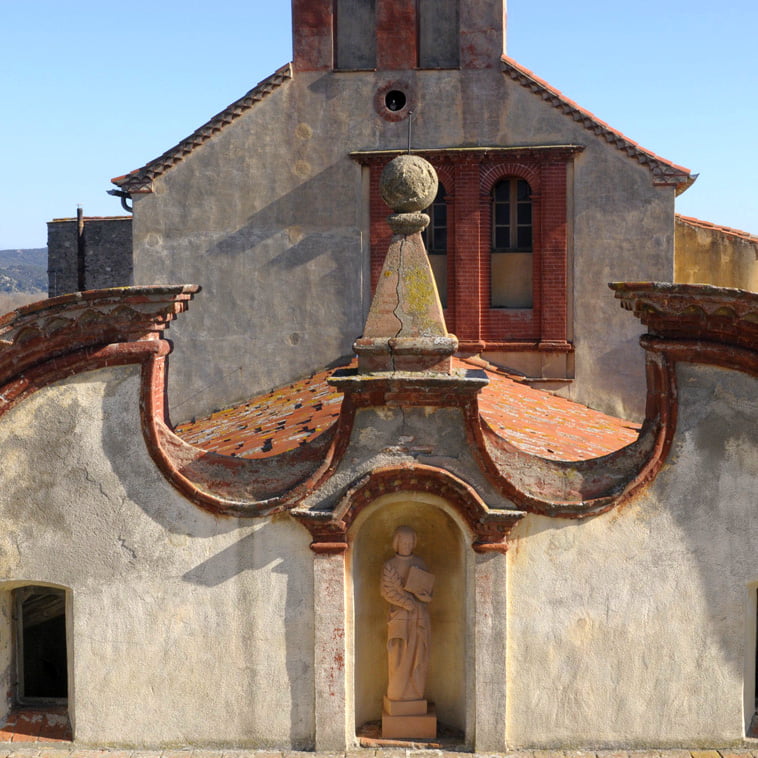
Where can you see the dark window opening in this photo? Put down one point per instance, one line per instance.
(435, 241)
(41, 658)
(511, 259)
(395, 100)
(752, 727)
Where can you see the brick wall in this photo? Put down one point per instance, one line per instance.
(468, 181)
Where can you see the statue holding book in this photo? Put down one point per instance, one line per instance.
(407, 587)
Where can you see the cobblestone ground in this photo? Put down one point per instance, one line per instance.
(68, 751)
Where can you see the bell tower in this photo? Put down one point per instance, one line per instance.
(397, 35)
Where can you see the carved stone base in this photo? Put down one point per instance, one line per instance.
(404, 707)
(417, 726)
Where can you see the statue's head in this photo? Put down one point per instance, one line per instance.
(404, 540)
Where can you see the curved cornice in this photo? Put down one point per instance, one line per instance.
(49, 341)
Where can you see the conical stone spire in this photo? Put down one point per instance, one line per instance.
(405, 329)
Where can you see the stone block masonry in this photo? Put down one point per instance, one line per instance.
(89, 253)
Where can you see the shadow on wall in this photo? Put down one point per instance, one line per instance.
(288, 287)
(265, 550)
(276, 548)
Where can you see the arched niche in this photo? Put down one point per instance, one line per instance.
(443, 544)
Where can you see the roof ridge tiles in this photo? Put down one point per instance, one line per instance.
(731, 231)
(664, 171)
(140, 180)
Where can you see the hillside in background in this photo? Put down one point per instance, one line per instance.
(23, 270)
(23, 277)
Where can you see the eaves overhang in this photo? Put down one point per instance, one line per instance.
(140, 181)
(664, 172)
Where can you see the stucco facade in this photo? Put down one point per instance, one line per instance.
(711, 254)
(268, 208)
(218, 584)
(265, 632)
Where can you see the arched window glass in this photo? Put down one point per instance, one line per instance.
(435, 241)
(511, 259)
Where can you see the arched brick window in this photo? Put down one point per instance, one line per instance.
(506, 244)
(511, 257)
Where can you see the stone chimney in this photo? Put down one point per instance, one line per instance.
(395, 35)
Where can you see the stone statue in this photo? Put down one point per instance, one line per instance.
(407, 587)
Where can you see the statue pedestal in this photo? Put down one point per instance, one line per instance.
(408, 719)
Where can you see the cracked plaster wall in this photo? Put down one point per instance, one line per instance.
(633, 628)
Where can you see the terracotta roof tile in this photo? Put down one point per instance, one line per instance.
(549, 426)
(269, 424)
(532, 420)
(664, 171)
(700, 224)
(140, 180)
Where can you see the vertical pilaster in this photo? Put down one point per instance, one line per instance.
(468, 270)
(553, 263)
(482, 33)
(312, 35)
(490, 647)
(396, 35)
(334, 709)
(381, 234)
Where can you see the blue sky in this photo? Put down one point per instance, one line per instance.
(92, 89)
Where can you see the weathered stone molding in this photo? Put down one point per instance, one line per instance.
(52, 339)
(489, 527)
(700, 312)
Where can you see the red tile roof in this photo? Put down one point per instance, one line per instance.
(269, 424)
(549, 426)
(140, 180)
(699, 224)
(532, 420)
(664, 171)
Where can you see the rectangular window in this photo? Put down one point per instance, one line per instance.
(41, 656)
(511, 260)
(435, 241)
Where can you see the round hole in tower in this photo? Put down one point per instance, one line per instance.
(395, 100)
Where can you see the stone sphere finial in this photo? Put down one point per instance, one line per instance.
(408, 185)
